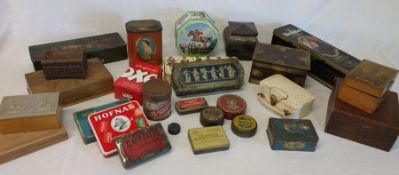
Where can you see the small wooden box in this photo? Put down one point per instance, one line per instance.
(72, 91)
(273, 59)
(327, 62)
(366, 85)
(29, 113)
(240, 39)
(292, 135)
(285, 97)
(65, 64)
(108, 48)
(378, 130)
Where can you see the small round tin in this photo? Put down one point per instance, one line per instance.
(244, 126)
(232, 105)
(144, 39)
(157, 99)
(211, 116)
(174, 128)
(196, 34)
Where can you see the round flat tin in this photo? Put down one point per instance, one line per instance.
(212, 116)
(244, 126)
(232, 105)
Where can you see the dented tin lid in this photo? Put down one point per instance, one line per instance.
(140, 26)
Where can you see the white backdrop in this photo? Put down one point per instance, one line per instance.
(364, 29)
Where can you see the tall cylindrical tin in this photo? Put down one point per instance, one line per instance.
(157, 99)
(144, 38)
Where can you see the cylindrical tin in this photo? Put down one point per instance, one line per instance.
(157, 99)
(244, 126)
(231, 105)
(211, 116)
(144, 39)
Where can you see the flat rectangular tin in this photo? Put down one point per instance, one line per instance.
(207, 76)
(82, 122)
(191, 105)
(208, 139)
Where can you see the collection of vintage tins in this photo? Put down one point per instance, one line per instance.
(144, 40)
(157, 103)
(196, 34)
(231, 105)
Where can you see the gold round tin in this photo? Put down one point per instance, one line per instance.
(244, 126)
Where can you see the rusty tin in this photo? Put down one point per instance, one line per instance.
(191, 105)
(144, 40)
(231, 105)
(142, 145)
(240, 39)
(212, 116)
(244, 126)
(207, 76)
(157, 99)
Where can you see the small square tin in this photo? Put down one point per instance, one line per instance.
(240, 39)
(113, 122)
(292, 135)
(273, 59)
(142, 145)
(208, 139)
(82, 122)
(189, 106)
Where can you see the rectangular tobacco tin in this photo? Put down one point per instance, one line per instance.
(82, 122)
(207, 76)
(113, 122)
(142, 145)
(191, 105)
(208, 139)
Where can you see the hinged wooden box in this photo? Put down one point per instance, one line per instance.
(366, 85)
(273, 59)
(240, 39)
(284, 97)
(378, 130)
(327, 62)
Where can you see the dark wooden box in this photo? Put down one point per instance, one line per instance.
(327, 62)
(240, 39)
(378, 130)
(273, 59)
(108, 48)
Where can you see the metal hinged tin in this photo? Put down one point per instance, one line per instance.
(240, 39)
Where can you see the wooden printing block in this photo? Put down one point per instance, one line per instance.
(142, 145)
(379, 129)
(72, 91)
(29, 113)
(208, 139)
(65, 64)
(273, 59)
(292, 135)
(107, 48)
(327, 62)
(19, 144)
(366, 85)
(207, 76)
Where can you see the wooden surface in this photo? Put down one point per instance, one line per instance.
(72, 91)
(16, 145)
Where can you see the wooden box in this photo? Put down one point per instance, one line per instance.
(65, 64)
(327, 62)
(29, 113)
(240, 39)
(285, 97)
(378, 130)
(366, 85)
(72, 91)
(273, 59)
(292, 135)
(19, 144)
(108, 48)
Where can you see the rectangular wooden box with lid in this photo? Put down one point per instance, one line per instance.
(285, 97)
(327, 61)
(273, 59)
(378, 130)
(366, 85)
(72, 91)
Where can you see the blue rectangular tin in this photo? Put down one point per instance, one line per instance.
(82, 122)
(292, 135)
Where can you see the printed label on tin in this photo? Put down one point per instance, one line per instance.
(191, 103)
(145, 48)
(197, 39)
(114, 122)
(157, 111)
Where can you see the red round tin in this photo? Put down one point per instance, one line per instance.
(144, 40)
(231, 105)
(157, 99)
